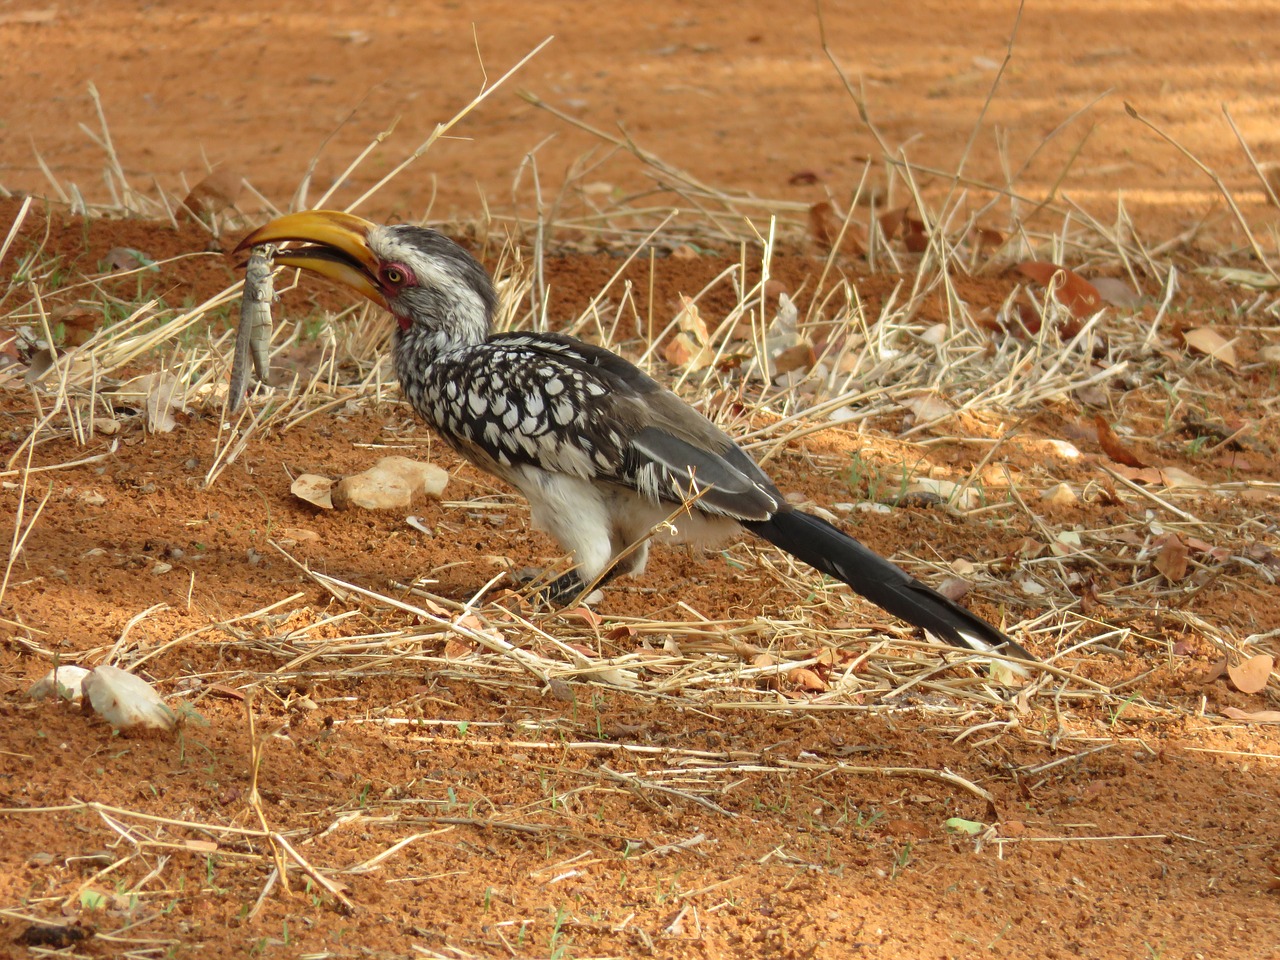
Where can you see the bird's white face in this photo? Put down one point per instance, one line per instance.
(428, 279)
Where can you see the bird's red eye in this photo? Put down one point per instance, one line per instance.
(394, 276)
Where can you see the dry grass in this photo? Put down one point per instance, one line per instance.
(886, 359)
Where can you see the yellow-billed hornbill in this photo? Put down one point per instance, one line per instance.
(602, 451)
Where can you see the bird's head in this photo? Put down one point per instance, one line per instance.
(427, 281)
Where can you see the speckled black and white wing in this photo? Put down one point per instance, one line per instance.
(570, 408)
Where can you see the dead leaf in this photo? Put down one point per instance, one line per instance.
(76, 325)
(988, 239)
(1252, 675)
(215, 193)
(1172, 559)
(825, 225)
(905, 829)
(914, 237)
(689, 348)
(1112, 446)
(799, 357)
(807, 679)
(562, 690)
(1234, 460)
(1117, 292)
(1257, 716)
(1245, 278)
(1069, 288)
(1212, 344)
(769, 679)
(954, 588)
(298, 534)
(586, 614)
(122, 259)
(164, 395)
(928, 407)
(1177, 477)
(456, 648)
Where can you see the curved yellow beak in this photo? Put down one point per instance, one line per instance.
(338, 248)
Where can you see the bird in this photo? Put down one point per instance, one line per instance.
(604, 454)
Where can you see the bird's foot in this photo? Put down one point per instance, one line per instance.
(559, 592)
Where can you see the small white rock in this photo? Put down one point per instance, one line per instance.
(316, 490)
(125, 701)
(1060, 494)
(373, 490)
(390, 484)
(65, 683)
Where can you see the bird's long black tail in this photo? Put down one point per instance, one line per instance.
(839, 555)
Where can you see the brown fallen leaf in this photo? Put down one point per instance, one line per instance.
(914, 236)
(768, 680)
(586, 614)
(1145, 475)
(1070, 289)
(1177, 477)
(1252, 675)
(215, 193)
(76, 326)
(905, 829)
(456, 649)
(825, 224)
(1212, 344)
(689, 348)
(1256, 716)
(1118, 293)
(807, 679)
(1172, 559)
(1112, 446)
(1234, 460)
(798, 357)
(954, 588)
(988, 239)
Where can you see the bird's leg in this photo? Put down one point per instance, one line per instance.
(567, 587)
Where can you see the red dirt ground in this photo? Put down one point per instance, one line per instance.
(1163, 843)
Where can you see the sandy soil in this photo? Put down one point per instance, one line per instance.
(1155, 834)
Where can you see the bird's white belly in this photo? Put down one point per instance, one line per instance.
(597, 521)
